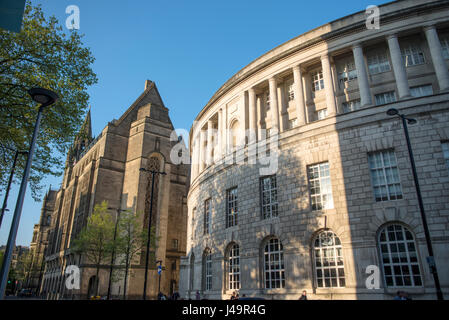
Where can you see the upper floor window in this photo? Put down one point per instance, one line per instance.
(207, 216)
(399, 257)
(274, 272)
(378, 62)
(351, 105)
(175, 244)
(267, 101)
(445, 146)
(445, 46)
(231, 207)
(346, 70)
(321, 114)
(412, 54)
(385, 98)
(320, 186)
(317, 80)
(385, 175)
(421, 91)
(268, 186)
(329, 267)
(293, 123)
(291, 91)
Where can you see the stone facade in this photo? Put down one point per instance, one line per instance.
(327, 93)
(107, 169)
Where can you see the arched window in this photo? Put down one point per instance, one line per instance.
(329, 267)
(399, 257)
(234, 267)
(274, 272)
(207, 270)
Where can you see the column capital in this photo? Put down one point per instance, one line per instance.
(391, 36)
(429, 27)
(357, 45)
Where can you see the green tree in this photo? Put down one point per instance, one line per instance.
(41, 55)
(131, 239)
(96, 240)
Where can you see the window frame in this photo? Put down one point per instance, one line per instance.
(384, 96)
(207, 215)
(234, 214)
(317, 80)
(233, 267)
(381, 60)
(320, 195)
(399, 264)
(384, 176)
(412, 50)
(337, 256)
(272, 203)
(278, 264)
(352, 105)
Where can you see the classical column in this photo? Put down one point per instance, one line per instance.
(436, 52)
(400, 73)
(252, 115)
(219, 147)
(299, 96)
(274, 103)
(210, 144)
(362, 76)
(328, 86)
(201, 162)
(281, 106)
(224, 130)
(260, 114)
(196, 156)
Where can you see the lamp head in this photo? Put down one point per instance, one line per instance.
(43, 96)
(392, 112)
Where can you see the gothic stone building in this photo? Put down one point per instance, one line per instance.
(107, 169)
(341, 202)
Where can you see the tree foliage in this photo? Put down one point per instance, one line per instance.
(41, 55)
(96, 240)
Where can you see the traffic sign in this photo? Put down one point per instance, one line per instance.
(159, 270)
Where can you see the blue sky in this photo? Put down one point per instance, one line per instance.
(189, 48)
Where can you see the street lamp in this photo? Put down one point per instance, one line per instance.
(153, 174)
(16, 154)
(45, 98)
(430, 258)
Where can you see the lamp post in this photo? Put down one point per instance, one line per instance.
(2, 213)
(45, 98)
(430, 259)
(153, 174)
(117, 217)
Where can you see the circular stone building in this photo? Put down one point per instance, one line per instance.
(332, 206)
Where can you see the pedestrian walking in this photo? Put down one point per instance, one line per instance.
(303, 296)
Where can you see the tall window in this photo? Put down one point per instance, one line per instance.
(378, 62)
(385, 175)
(351, 105)
(445, 146)
(399, 257)
(274, 264)
(412, 54)
(317, 80)
(192, 234)
(291, 91)
(385, 98)
(445, 46)
(321, 114)
(231, 207)
(269, 197)
(421, 91)
(293, 123)
(320, 186)
(207, 216)
(329, 267)
(346, 70)
(267, 101)
(234, 268)
(207, 270)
